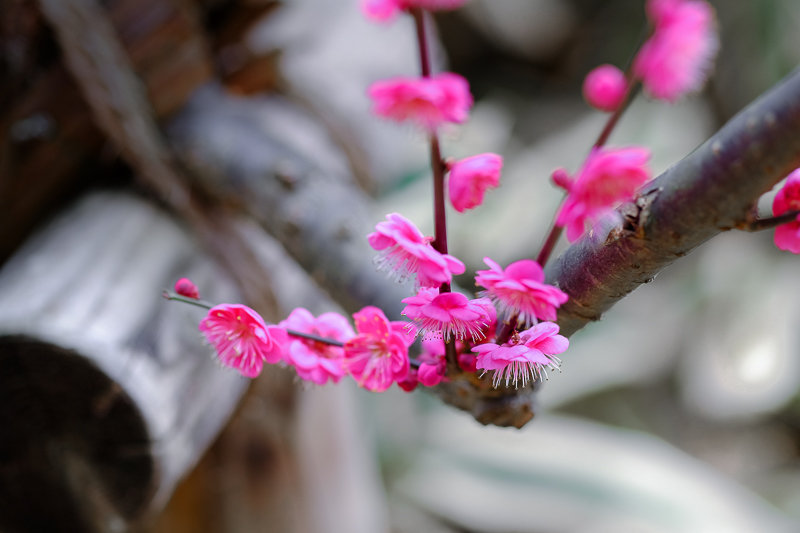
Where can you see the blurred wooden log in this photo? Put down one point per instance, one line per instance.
(291, 459)
(50, 143)
(109, 395)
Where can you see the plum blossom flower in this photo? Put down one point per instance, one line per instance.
(449, 315)
(405, 251)
(378, 355)
(185, 287)
(428, 102)
(525, 358)
(787, 236)
(315, 360)
(678, 56)
(469, 179)
(383, 10)
(607, 178)
(241, 338)
(604, 87)
(520, 289)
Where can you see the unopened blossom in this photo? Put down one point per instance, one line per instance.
(604, 87)
(427, 102)
(383, 10)
(469, 179)
(678, 56)
(378, 355)
(467, 362)
(185, 287)
(449, 315)
(520, 290)
(432, 362)
(317, 361)
(406, 252)
(787, 236)
(410, 382)
(526, 357)
(607, 178)
(241, 338)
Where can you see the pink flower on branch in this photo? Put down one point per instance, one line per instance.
(607, 178)
(449, 315)
(525, 358)
(678, 56)
(520, 289)
(241, 338)
(604, 88)
(378, 355)
(787, 236)
(383, 10)
(404, 250)
(185, 287)
(428, 102)
(469, 179)
(315, 360)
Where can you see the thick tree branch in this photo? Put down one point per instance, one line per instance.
(710, 191)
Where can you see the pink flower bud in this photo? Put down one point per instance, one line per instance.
(185, 287)
(604, 88)
(561, 178)
(467, 362)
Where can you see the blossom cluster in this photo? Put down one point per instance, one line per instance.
(376, 354)
(509, 328)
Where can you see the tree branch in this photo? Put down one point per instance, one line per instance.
(710, 191)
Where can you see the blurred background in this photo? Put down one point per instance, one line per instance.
(678, 412)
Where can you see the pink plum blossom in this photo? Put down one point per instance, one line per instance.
(604, 88)
(378, 355)
(185, 287)
(315, 360)
(449, 315)
(607, 178)
(383, 10)
(405, 251)
(469, 179)
(678, 56)
(787, 236)
(428, 102)
(241, 338)
(526, 357)
(520, 289)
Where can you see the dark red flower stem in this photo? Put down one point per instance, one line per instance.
(422, 41)
(555, 231)
(169, 295)
(760, 224)
(611, 123)
(550, 241)
(440, 218)
(438, 167)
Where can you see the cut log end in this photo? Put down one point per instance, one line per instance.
(74, 449)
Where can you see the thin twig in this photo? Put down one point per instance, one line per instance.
(768, 223)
